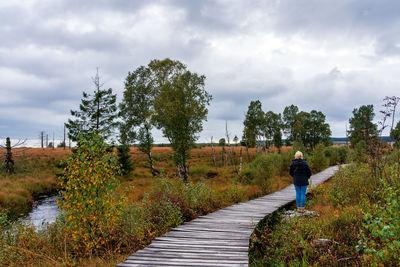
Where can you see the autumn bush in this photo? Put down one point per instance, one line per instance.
(91, 207)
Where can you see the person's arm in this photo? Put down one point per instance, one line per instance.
(308, 170)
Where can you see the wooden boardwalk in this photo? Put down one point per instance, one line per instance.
(220, 238)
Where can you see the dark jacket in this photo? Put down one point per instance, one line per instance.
(300, 171)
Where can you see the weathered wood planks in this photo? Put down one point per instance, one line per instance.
(220, 238)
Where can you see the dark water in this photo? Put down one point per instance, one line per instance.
(44, 211)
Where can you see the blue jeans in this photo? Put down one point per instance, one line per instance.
(301, 195)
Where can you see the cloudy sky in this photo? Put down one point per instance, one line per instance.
(326, 55)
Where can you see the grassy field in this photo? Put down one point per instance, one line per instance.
(36, 170)
(154, 204)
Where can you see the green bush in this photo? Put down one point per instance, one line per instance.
(359, 153)
(380, 235)
(199, 170)
(337, 155)
(192, 200)
(260, 170)
(124, 159)
(286, 160)
(352, 184)
(318, 160)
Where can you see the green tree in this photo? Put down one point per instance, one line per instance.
(272, 129)
(395, 134)
(307, 128)
(236, 140)
(222, 142)
(319, 130)
(253, 123)
(289, 119)
(180, 108)
(136, 111)
(97, 112)
(361, 126)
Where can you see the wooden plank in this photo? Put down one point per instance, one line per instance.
(189, 251)
(186, 264)
(194, 255)
(190, 260)
(204, 247)
(214, 228)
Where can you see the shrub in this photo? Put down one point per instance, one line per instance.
(191, 199)
(90, 205)
(286, 160)
(336, 155)
(359, 153)
(260, 170)
(199, 170)
(380, 236)
(318, 160)
(351, 185)
(124, 159)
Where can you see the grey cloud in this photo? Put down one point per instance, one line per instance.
(335, 19)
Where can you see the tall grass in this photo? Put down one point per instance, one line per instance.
(359, 213)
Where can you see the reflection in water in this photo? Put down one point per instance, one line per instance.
(44, 211)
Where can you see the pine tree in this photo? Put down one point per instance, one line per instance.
(97, 112)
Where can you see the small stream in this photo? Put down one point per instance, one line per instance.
(45, 210)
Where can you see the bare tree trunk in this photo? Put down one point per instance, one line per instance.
(64, 137)
(213, 153)
(179, 170)
(241, 160)
(153, 171)
(229, 143)
(247, 151)
(222, 156)
(41, 138)
(185, 170)
(148, 150)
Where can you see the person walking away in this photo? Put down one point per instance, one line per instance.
(301, 173)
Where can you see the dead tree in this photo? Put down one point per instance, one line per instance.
(41, 138)
(222, 156)
(241, 160)
(64, 136)
(227, 134)
(213, 153)
(247, 151)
